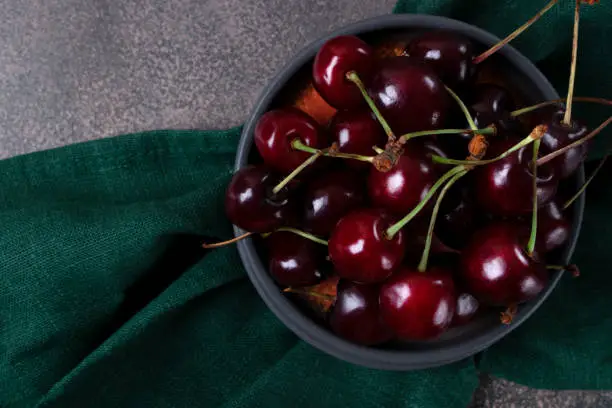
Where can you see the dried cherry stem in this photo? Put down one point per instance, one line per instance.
(567, 118)
(527, 109)
(507, 316)
(228, 242)
(514, 34)
(354, 78)
(573, 269)
(329, 152)
(432, 222)
(582, 189)
(297, 170)
(464, 109)
(378, 150)
(266, 235)
(491, 130)
(534, 191)
(536, 134)
(556, 153)
(395, 228)
(301, 233)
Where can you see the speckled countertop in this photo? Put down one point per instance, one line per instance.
(75, 70)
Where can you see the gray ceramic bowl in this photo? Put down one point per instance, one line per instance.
(458, 343)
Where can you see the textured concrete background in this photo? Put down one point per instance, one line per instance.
(75, 70)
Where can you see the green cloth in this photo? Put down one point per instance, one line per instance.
(107, 300)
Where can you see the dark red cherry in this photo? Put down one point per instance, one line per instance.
(417, 306)
(560, 135)
(415, 234)
(329, 198)
(458, 217)
(492, 105)
(400, 189)
(496, 268)
(409, 95)
(448, 54)
(356, 315)
(505, 186)
(553, 228)
(276, 130)
(356, 132)
(466, 309)
(359, 247)
(295, 261)
(335, 59)
(250, 203)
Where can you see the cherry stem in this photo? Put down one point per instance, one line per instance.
(556, 153)
(534, 186)
(514, 34)
(536, 134)
(567, 118)
(395, 228)
(298, 145)
(378, 150)
(486, 131)
(464, 109)
(297, 170)
(522, 111)
(354, 78)
(573, 269)
(228, 242)
(432, 222)
(298, 232)
(569, 202)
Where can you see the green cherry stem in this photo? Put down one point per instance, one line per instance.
(354, 78)
(514, 34)
(567, 118)
(432, 222)
(536, 134)
(486, 131)
(297, 171)
(534, 216)
(527, 109)
(464, 109)
(298, 145)
(298, 232)
(556, 153)
(228, 242)
(394, 229)
(582, 189)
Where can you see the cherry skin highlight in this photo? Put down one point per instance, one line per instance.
(360, 250)
(250, 203)
(275, 132)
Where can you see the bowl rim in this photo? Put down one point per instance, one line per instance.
(287, 312)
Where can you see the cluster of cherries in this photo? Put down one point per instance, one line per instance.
(351, 213)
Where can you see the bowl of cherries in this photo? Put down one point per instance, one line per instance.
(405, 191)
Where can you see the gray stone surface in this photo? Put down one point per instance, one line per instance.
(75, 70)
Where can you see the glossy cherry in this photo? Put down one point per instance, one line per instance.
(415, 234)
(417, 306)
(492, 104)
(459, 217)
(505, 187)
(396, 87)
(560, 135)
(275, 131)
(335, 59)
(466, 309)
(553, 228)
(295, 261)
(360, 249)
(448, 54)
(496, 268)
(356, 315)
(250, 203)
(356, 132)
(400, 189)
(329, 198)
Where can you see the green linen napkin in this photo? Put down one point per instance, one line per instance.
(107, 299)
(567, 343)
